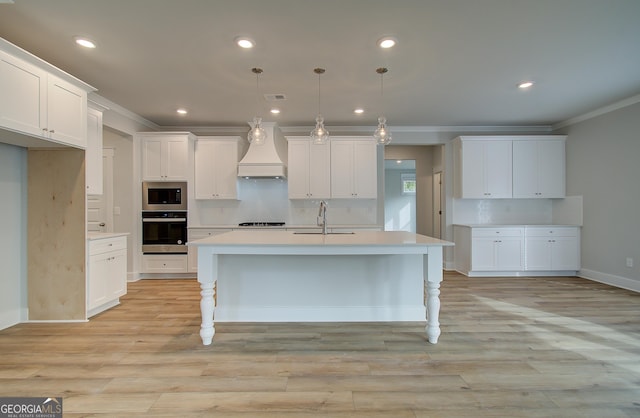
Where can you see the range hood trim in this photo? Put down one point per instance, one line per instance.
(262, 171)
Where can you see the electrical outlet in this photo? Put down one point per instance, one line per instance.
(629, 262)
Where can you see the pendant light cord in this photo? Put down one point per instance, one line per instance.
(257, 72)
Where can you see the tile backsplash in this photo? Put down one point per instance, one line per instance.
(267, 200)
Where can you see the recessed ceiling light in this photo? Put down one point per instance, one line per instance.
(85, 42)
(244, 42)
(181, 111)
(387, 42)
(358, 111)
(275, 111)
(525, 84)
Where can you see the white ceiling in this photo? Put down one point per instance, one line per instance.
(457, 62)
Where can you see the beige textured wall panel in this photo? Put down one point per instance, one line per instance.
(56, 235)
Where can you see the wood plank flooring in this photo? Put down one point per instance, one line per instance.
(510, 347)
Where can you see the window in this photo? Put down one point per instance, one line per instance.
(408, 183)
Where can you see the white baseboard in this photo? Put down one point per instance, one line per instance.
(610, 279)
(10, 318)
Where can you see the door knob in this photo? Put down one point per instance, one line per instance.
(102, 224)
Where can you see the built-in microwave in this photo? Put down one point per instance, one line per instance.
(166, 196)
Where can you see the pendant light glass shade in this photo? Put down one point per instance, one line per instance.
(382, 133)
(319, 135)
(257, 135)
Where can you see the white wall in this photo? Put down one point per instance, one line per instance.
(603, 166)
(13, 224)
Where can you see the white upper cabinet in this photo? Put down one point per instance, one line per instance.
(23, 97)
(165, 156)
(539, 168)
(216, 167)
(38, 103)
(483, 168)
(354, 168)
(309, 169)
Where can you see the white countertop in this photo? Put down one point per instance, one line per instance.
(272, 238)
(91, 236)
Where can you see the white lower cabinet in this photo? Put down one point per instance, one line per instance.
(497, 249)
(106, 273)
(517, 250)
(196, 234)
(549, 248)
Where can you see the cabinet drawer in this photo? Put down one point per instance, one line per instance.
(496, 232)
(551, 232)
(108, 244)
(164, 263)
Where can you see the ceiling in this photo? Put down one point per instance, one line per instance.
(457, 62)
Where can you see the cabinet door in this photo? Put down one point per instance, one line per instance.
(319, 168)
(23, 99)
(483, 254)
(365, 169)
(152, 159)
(551, 169)
(525, 169)
(342, 169)
(485, 169)
(66, 112)
(205, 187)
(97, 277)
(226, 170)
(565, 254)
(538, 253)
(299, 169)
(116, 285)
(175, 158)
(498, 169)
(471, 170)
(509, 254)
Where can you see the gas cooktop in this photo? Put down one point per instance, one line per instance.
(265, 224)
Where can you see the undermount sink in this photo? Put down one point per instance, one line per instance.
(320, 233)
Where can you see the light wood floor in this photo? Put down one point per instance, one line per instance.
(510, 347)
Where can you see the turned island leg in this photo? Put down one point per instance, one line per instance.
(207, 271)
(432, 270)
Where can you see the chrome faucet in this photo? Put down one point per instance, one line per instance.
(322, 217)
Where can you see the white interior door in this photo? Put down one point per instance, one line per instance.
(100, 207)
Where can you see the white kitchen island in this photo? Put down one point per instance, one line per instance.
(282, 276)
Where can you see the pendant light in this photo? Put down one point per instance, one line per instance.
(319, 135)
(257, 135)
(382, 134)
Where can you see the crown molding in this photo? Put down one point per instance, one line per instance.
(598, 112)
(114, 107)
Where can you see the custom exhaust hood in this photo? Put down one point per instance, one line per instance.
(266, 160)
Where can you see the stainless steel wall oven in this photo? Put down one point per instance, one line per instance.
(164, 232)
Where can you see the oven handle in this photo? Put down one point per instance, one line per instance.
(164, 219)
